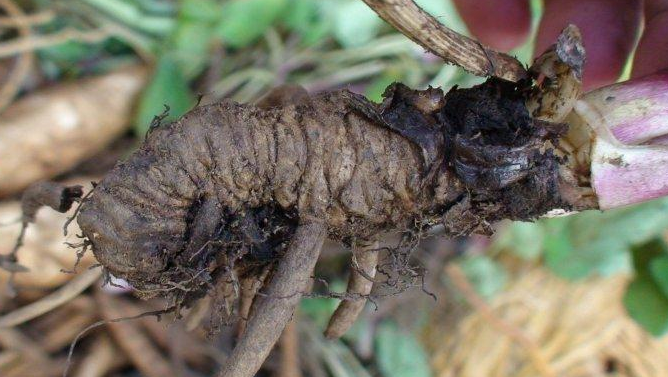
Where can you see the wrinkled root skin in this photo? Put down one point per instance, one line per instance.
(226, 185)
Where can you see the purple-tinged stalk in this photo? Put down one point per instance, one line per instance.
(661, 140)
(628, 124)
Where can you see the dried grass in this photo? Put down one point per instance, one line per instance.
(581, 329)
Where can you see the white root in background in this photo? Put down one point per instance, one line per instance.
(50, 131)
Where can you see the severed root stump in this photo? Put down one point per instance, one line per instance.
(365, 260)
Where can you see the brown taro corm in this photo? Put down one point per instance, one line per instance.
(230, 179)
(229, 188)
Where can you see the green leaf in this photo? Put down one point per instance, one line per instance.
(596, 242)
(374, 91)
(644, 254)
(70, 51)
(190, 47)
(158, 7)
(355, 24)
(523, 239)
(659, 270)
(631, 225)
(310, 19)
(646, 298)
(318, 309)
(487, 276)
(131, 14)
(244, 21)
(189, 44)
(562, 259)
(167, 87)
(399, 353)
(647, 305)
(200, 10)
(302, 16)
(574, 256)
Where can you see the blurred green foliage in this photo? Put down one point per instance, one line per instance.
(525, 240)
(244, 21)
(152, 17)
(600, 242)
(618, 240)
(399, 353)
(596, 243)
(168, 87)
(251, 27)
(646, 298)
(190, 42)
(487, 276)
(355, 24)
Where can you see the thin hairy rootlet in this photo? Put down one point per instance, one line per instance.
(229, 190)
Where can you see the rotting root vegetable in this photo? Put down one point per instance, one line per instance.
(227, 188)
(230, 190)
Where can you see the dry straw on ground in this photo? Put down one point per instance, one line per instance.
(574, 329)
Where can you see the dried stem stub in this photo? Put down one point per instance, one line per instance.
(558, 75)
(360, 283)
(424, 29)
